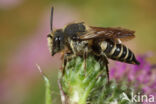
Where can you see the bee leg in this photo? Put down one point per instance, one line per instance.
(103, 60)
(64, 65)
(107, 69)
(65, 57)
(68, 57)
(63, 62)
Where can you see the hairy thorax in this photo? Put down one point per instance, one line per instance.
(80, 47)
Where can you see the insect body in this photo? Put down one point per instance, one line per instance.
(118, 52)
(78, 39)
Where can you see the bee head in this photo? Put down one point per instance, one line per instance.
(56, 41)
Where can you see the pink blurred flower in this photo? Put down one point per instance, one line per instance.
(142, 76)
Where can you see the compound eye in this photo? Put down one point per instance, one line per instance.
(57, 38)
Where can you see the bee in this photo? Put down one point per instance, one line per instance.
(79, 39)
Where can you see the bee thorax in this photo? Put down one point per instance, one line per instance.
(80, 47)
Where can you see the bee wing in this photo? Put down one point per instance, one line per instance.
(115, 34)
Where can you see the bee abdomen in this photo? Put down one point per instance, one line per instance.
(118, 52)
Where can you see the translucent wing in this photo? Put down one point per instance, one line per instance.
(115, 34)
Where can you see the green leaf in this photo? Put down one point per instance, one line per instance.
(48, 96)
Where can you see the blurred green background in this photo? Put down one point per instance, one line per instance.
(24, 25)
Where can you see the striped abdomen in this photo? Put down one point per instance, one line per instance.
(118, 52)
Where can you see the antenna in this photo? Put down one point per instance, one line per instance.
(51, 19)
